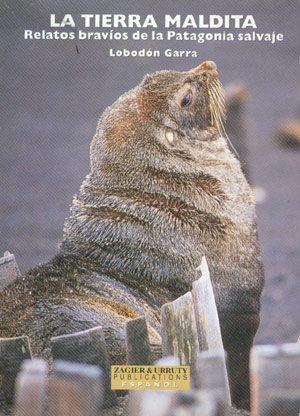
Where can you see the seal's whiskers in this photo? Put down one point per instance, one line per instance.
(217, 108)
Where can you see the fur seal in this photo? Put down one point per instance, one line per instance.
(164, 189)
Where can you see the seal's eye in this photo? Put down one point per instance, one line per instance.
(187, 99)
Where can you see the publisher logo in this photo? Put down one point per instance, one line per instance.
(150, 377)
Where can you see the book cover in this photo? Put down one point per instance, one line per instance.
(64, 63)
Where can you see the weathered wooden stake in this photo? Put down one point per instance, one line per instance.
(209, 332)
(13, 351)
(9, 270)
(175, 403)
(30, 389)
(138, 350)
(197, 402)
(273, 367)
(179, 332)
(206, 313)
(213, 377)
(153, 402)
(75, 389)
(282, 403)
(168, 360)
(86, 347)
(150, 402)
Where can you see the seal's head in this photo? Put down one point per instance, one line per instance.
(187, 100)
(168, 113)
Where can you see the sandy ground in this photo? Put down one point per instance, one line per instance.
(52, 97)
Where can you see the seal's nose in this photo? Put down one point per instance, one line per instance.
(208, 65)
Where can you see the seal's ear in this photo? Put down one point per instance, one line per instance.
(160, 80)
(147, 80)
(150, 79)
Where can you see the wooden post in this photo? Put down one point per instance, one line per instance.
(171, 402)
(198, 402)
(167, 360)
(139, 400)
(86, 347)
(206, 314)
(165, 403)
(153, 402)
(30, 390)
(75, 389)
(213, 375)
(273, 367)
(150, 402)
(9, 270)
(179, 332)
(282, 403)
(138, 350)
(13, 351)
(209, 332)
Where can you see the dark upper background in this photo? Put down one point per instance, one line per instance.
(52, 97)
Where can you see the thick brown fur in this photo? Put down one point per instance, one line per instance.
(164, 189)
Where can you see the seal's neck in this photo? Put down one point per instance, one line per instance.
(152, 224)
(149, 233)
